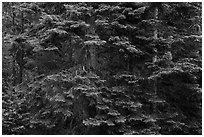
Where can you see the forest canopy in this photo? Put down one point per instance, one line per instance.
(101, 68)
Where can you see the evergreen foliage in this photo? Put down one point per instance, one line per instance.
(102, 68)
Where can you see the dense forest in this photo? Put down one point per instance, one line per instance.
(101, 68)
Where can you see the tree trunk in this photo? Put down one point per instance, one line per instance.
(154, 59)
(21, 74)
(22, 52)
(155, 35)
(92, 49)
(13, 18)
(93, 56)
(156, 18)
(22, 22)
(20, 62)
(13, 72)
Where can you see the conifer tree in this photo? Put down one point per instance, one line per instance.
(121, 68)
